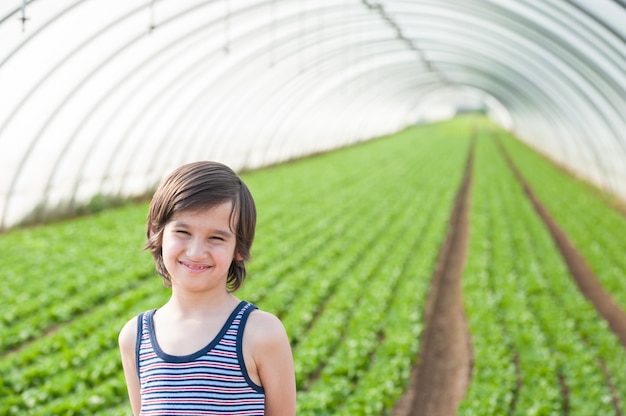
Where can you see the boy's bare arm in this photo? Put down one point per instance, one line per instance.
(274, 361)
(127, 340)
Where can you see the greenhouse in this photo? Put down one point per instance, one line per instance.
(440, 189)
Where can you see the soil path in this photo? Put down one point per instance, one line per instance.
(581, 272)
(439, 381)
(584, 277)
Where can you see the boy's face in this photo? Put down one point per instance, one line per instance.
(198, 248)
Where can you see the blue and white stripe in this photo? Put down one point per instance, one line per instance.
(212, 381)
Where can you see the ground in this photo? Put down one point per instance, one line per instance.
(440, 379)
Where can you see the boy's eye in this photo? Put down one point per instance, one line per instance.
(182, 232)
(217, 238)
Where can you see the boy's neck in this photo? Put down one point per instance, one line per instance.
(191, 304)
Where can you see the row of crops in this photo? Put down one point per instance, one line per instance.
(539, 346)
(588, 217)
(346, 246)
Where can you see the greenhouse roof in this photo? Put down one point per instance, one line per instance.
(105, 97)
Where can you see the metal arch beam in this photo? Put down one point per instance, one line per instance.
(599, 115)
(610, 119)
(539, 93)
(619, 3)
(244, 63)
(28, 95)
(611, 98)
(83, 45)
(49, 74)
(287, 95)
(77, 87)
(136, 70)
(511, 74)
(560, 113)
(325, 95)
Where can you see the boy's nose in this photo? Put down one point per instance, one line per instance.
(196, 249)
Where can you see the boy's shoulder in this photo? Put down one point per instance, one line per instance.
(128, 333)
(264, 327)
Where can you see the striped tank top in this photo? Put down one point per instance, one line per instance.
(211, 381)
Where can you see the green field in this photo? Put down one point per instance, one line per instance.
(346, 246)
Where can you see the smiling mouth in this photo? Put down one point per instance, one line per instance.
(194, 267)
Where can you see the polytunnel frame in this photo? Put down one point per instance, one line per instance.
(327, 98)
(533, 80)
(243, 64)
(76, 88)
(561, 114)
(206, 56)
(122, 143)
(274, 91)
(509, 69)
(337, 53)
(110, 57)
(578, 62)
(261, 53)
(85, 79)
(511, 22)
(605, 92)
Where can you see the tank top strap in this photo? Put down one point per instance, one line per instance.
(235, 335)
(141, 327)
(232, 332)
(244, 311)
(238, 322)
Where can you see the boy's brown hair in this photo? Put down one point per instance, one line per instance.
(197, 186)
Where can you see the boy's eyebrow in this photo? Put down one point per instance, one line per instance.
(224, 233)
(179, 223)
(183, 224)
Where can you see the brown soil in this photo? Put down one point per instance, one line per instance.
(584, 277)
(440, 379)
(582, 274)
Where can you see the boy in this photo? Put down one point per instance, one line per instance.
(205, 351)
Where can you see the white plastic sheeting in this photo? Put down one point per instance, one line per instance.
(103, 97)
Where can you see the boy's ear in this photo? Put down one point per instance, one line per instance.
(238, 256)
